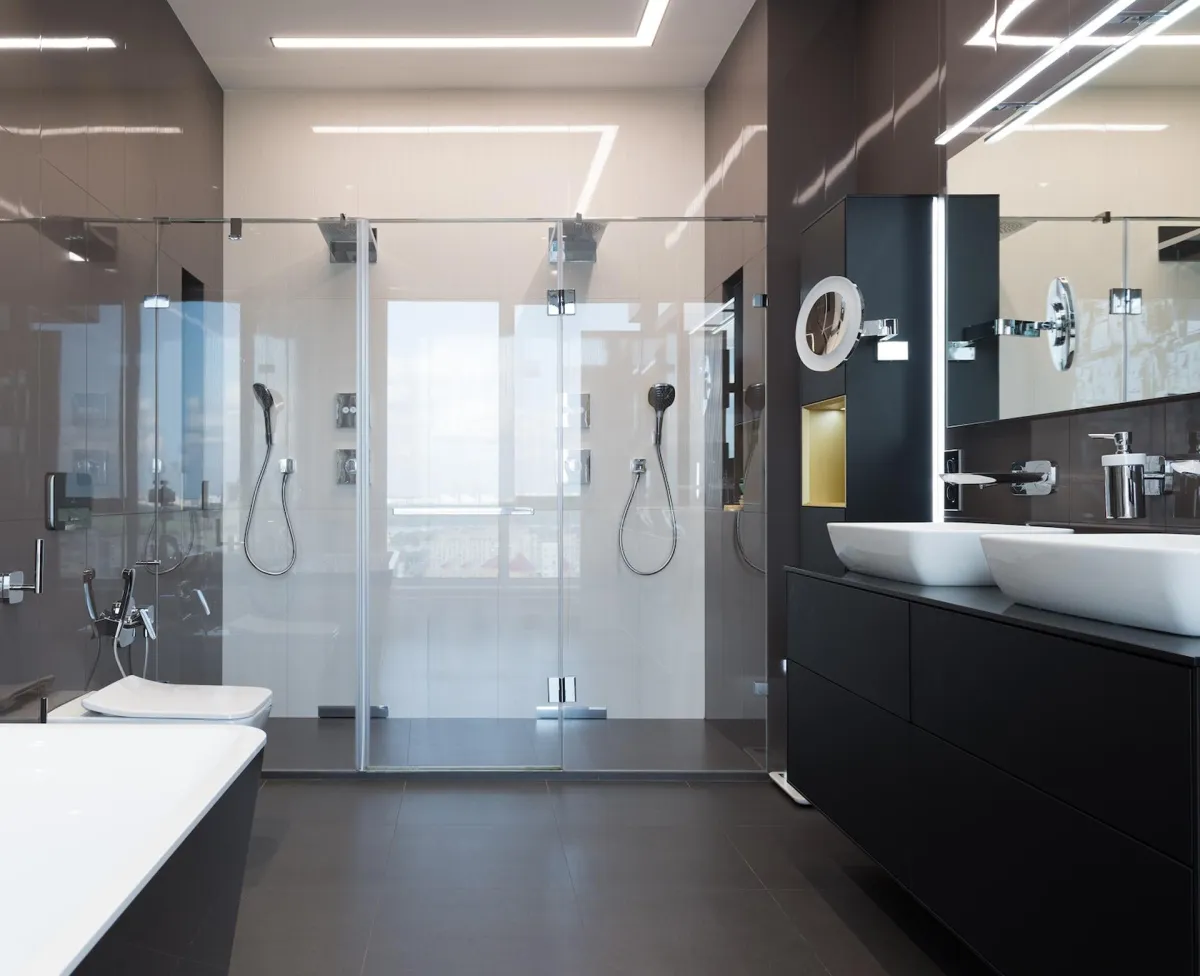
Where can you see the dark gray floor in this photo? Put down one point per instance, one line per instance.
(569, 879)
(626, 745)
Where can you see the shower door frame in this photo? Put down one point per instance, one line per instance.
(364, 608)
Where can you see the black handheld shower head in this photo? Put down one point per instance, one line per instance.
(660, 397)
(266, 400)
(756, 400)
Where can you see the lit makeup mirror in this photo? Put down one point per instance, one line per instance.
(831, 324)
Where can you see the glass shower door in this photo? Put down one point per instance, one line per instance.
(465, 536)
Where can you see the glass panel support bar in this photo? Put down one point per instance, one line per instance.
(363, 537)
(463, 510)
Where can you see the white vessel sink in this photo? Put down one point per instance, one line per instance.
(1150, 581)
(926, 553)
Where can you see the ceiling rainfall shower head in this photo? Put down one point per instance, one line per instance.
(660, 397)
(756, 399)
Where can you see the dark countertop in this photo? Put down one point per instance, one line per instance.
(988, 602)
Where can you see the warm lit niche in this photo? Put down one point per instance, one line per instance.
(823, 452)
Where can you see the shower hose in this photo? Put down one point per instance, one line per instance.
(286, 517)
(637, 480)
(738, 545)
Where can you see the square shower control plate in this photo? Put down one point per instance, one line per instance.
(346, 466)
(346, 411)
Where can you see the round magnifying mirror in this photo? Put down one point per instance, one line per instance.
(1060, 315)
(829, 324)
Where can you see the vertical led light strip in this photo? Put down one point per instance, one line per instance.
(937, 308)
(362, 495)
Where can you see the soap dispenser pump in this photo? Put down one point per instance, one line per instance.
(1124, 478)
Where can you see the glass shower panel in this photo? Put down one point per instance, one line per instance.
(465, 499)
(283, 318)
(666, 337)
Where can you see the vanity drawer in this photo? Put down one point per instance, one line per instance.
(1107, 732)
(1034, 886)
(855, 638)
(849, 759)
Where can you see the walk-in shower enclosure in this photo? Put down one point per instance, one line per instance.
(458, 417)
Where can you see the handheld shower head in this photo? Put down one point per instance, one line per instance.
(756, 400)
(266, 400)
(660, 397)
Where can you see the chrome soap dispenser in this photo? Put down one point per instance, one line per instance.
(1124, 478)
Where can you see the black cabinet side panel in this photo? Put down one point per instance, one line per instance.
(822, 254)
(1033, 886)
(816, 549)
(848, 758)
(1108, 733)
(888, 428)
(854, 638)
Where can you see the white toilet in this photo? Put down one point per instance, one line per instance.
(135, 699)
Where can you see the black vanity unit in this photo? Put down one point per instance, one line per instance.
(1030, 777)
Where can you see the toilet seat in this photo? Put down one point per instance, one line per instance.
(134, 699)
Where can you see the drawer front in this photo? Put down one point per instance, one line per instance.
(848, 757)
(1108, 733)
(1035, 887)
(854, 638)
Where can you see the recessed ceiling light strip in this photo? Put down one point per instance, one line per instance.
(56, 43)
(1060, 50)
(652, 19)
(1090, 73)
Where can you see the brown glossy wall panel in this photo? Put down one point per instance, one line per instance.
(89, 139)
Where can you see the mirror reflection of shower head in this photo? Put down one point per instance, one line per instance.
(660, 397)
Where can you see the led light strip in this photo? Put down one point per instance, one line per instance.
(56, 43)
(652, 19)
(1135, 41)
(1056, 53)
(937, 405)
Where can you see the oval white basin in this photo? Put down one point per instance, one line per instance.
(1150, 581)
(925, 553)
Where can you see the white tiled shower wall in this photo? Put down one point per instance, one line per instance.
(451, 646)
(1082, 174)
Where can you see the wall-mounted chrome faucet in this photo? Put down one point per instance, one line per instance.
(124, 618)
(1129, 478)
(1025, 478)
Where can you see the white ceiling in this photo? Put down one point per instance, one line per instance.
(233, 37)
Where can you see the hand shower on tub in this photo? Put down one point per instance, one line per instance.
(269, 402)
(660, 397)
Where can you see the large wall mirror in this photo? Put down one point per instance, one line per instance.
(1073, 236)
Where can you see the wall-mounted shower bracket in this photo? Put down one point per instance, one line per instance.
(638, 466)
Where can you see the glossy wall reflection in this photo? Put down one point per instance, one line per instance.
(93, 383)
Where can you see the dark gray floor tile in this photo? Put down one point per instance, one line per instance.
(311, 745)
(492, 856)
(630, 804)
(313, 855)
(449, 804)
(747, 803)
(339, 915)
(654, 858)
(424, 914)
(876, 930)
(473, 743)
(293, 958)
(501, 956)
(331, 801)
(651, 744)
(808, 852)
